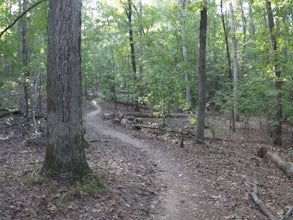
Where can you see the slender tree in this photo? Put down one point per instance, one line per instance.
(183, 46)
(129, 13)
(23, 29)
(140, 40)
(65, 156)
(244, 26)
(277, 117)
(235, 64)
(228, 61)
(202, 73)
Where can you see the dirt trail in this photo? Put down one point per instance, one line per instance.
(179, 201)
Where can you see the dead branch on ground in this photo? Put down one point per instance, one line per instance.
(182, 133)
(151, 115)
(5, 112)
(260, 203)
(263, 207)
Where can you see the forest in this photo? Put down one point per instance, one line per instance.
(170, 109)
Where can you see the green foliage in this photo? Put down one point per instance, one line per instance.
(165, 92)
(6, 88)
(193, 121)
(34, 177)
(106, 55)
(87, 185)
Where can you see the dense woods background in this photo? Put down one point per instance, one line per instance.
(147, 52)
(198, 93)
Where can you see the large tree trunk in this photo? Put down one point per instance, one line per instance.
(277, 117)
(202, 74)
(65, 156)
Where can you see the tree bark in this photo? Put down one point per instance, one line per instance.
(65, 156)
(202, 74)
(277, 117)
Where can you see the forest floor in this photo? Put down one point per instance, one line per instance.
(144, 173)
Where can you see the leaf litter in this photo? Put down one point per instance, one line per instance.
(204, 181)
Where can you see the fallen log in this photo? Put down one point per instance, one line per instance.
(5, 112)
(284, 166)
(182, 133)
(151, 115)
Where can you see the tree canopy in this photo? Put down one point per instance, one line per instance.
(161, 66)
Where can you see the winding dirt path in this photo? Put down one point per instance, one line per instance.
(180, 199)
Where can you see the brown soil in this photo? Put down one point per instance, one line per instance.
(146, 175)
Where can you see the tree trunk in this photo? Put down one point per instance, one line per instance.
(243, 18)
(229, 62)
(277, 117)
(140, 41)
(25, 58)
(243, 58)
(235, 65)
(251, 29)
(251, 21)
(132, 52)
(202, 74)
(183, 47)
(65, 156)
(113, 86)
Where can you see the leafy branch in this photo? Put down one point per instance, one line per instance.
(20, 16)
